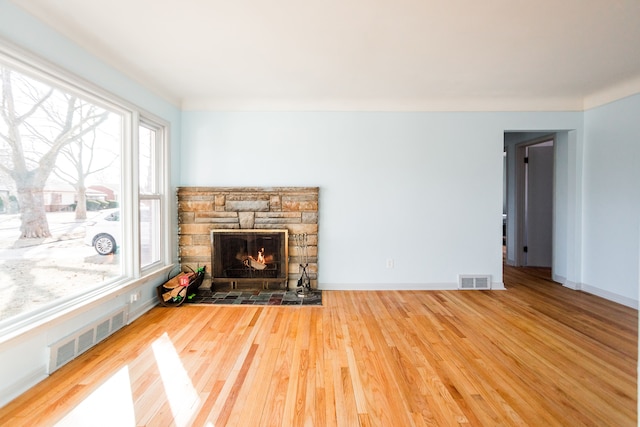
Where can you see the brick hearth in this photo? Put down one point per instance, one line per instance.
(201, 209)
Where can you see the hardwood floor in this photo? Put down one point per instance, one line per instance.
(536, 354)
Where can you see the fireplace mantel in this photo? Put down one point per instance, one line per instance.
(202, 209)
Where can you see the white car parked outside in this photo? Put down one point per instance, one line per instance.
(103, 232)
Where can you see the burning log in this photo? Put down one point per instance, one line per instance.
(259, 264)
(255, 264)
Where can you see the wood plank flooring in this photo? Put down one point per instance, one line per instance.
(536, 354)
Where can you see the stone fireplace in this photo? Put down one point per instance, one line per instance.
(247, 237)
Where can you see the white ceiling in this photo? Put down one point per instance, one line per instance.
(363, 54)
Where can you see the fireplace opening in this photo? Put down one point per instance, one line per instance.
(249, 257)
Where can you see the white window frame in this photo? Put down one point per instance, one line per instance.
(161, 161)
(132, 275)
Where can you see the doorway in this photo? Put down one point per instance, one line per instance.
(528, 230)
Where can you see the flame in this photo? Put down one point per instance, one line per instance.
(259, 263)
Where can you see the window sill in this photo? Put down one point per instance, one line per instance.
(64, 309)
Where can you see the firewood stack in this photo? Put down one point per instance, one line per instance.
(177, 289)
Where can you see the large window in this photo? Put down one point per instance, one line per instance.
(69, 210)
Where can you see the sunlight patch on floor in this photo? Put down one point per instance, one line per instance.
(181, 395)
(109, 405)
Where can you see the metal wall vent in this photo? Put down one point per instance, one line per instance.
(64, 353)
(102, 330)
(85, 341)
(473, 281)
(70, 347)
(117, 321)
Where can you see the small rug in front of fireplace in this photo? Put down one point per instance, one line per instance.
(258, 297)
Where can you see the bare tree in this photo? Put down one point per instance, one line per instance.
(81, 155)
(38, 122)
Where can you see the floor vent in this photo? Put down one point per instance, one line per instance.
(70, 347)
(472, 281)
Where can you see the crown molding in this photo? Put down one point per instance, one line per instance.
(390, 105)
(612, 93)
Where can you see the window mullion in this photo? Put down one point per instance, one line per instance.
(131, 181)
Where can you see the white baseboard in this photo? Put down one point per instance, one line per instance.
(388, 286)
(25, 383)
(398, 286)
(571, 285)
(629, 302)
(566, 283)
(140, 309)
(558, 278)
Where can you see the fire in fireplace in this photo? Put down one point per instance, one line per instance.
(249, 257)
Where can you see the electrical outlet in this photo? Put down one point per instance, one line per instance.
(389, 263)
(135, 297)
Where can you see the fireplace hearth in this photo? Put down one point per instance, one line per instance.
(249, 257)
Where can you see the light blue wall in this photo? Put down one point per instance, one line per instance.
(424, 189)
(611, 227)
(385, 179)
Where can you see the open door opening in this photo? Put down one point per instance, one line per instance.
(528, 212)
(564, 183)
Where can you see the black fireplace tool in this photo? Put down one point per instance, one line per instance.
(304, 281)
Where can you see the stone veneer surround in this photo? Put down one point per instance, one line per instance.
(201, 209)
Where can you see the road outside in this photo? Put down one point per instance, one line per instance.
(35, 272)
